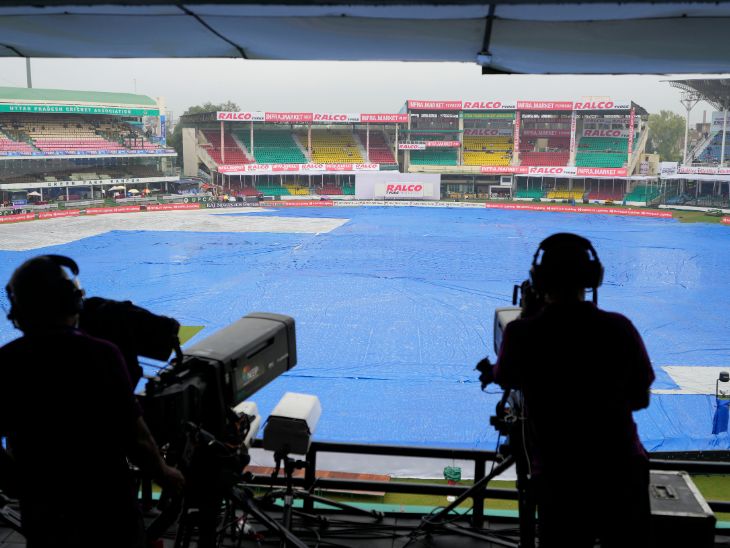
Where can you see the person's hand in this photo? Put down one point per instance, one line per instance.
(172, 479)
(486, 369)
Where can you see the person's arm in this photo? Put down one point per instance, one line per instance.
(507, 369)
(640, 374)
(146, 454)
(141, 446)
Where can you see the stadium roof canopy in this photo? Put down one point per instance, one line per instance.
(512, 36)
(714, 91)
(73, 97)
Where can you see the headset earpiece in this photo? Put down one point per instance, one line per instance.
(589, 272)
(66, 296)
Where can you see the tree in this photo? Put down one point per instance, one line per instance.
(174, 138)
(666, 135)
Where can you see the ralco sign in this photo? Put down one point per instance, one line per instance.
(489, 105)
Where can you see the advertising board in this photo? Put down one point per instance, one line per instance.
(490, 105)
(434, 105)
(402, 190)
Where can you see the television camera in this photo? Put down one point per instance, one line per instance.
(197, 411)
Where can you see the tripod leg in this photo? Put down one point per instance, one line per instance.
(306, 495)
(247, 504)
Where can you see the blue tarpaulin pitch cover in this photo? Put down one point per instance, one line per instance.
(394, 307)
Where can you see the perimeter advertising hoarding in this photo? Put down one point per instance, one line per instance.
(241, 116)
(545, 133)
(718, 121)
(580, 209)
(76, 109)
(434, 105)
(605, 104)
(489, 105)
(251, 169)
(620, 133)
(394, 185)
(315, 117)
(544, 105)
(403, 190)
(489, 132)
(552, 171)
(696, 170)
(327, 117)
(384, 118)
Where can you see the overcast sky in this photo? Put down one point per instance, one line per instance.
(328, 86)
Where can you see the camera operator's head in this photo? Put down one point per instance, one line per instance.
(43, 295)
(567, 267)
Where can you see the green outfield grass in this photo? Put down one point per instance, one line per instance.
(187, 332)
(713, 487)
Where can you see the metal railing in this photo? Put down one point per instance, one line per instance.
(659, 461)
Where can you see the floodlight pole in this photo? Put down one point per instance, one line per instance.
(689, 100)
(724, 129)
(27, 73)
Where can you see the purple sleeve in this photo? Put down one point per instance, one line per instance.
(507, 371)
(119, 387)
(639, 370)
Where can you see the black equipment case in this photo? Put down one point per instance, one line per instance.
(680, 517)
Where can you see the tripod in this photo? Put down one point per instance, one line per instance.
(289, 494)
(509, 421)
(213, 480)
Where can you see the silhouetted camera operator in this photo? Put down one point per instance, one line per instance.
(582, 372)
(71, 418)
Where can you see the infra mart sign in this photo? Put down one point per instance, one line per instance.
(76, 109)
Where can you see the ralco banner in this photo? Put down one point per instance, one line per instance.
(489, 105)
(622, 133)
(402, 190)
(496, 132)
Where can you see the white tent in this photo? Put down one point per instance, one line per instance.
(558, 37)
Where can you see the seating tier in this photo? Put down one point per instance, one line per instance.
(273, 147)
(434, 157)
(335, 147)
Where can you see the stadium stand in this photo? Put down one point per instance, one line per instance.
(248, 191)
(234, 153)
(711, 153)
(273, 147)
(273, 190)
(602, 152)
(555, 152)
(60, 133)
(296, 190)
(533, 194)
(606, 195)
(330, 190)
(435, 157)
(643, 193)
(487, 151)
(380, 152)
(335, 147)
(10, 145)
(565, 194)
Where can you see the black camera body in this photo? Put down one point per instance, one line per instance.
(217, 374)
(135, 330)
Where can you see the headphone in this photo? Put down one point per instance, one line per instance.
(586, 269)
(56, 289)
